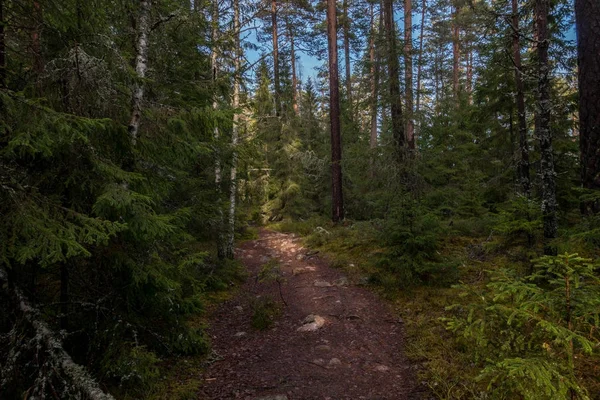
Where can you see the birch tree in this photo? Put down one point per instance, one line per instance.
(141, 65)
(237, 69)
(542, 127)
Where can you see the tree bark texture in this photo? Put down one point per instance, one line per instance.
(141, 65)
(394, 79)
(337, 201)
(408, 74)
(542, 128)
(523, 168)
(588, 56)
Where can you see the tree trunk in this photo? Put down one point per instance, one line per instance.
(337, 201)
(346, 28)
(588, 51)
(394, 80)
(235, 130)
(221, 245)
(420, 66)
(408, 74)
(276, 58)
(141, 64)
(542, 127)
(523, 172)
(455, 53)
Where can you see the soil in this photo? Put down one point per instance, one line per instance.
(349, 347)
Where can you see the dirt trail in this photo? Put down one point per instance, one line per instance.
(356, 354)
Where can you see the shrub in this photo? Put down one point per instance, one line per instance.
(531, 334)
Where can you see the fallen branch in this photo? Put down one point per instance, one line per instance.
(82, 381)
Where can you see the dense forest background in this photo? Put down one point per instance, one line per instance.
(455, 156)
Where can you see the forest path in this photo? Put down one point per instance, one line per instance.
(352, 347)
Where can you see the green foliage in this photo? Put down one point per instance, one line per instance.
(531, 334)
(414, 237)
(265, 311)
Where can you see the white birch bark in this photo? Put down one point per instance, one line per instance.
(216, 133)
(141, 65)
(235, 130)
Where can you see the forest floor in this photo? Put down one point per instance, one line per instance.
(299, 329)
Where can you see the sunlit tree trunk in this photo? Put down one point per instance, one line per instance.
(334, 115)
(542, 128)
(235, 130)
(408, 74)
(141, 64)
(521, 116)
(588, 50)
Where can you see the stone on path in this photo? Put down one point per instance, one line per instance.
(273, 397)
(335, 361)
(382, 368)
(302, 270)
(342, 282)
(319, 283)
(312, 323)
(323, 347)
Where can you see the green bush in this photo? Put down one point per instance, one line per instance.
(531, 335)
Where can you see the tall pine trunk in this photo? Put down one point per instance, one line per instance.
(235, 130)
(523, 170)
(276, 58)
(588, 57)
(542, 128)
(394, 79)
(337, 201)
(408, 74)
(141, 65)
